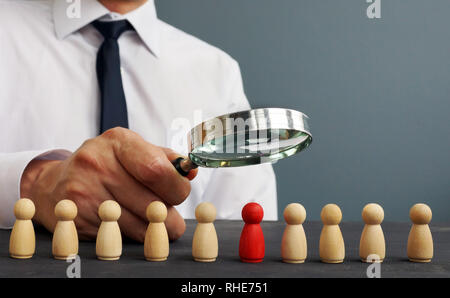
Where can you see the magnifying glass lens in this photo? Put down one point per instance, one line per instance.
(249, 147)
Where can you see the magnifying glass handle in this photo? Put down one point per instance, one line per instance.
(184, 165)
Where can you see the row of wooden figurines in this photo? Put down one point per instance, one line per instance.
(205, 242)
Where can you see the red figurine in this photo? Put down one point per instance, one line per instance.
(251, 244)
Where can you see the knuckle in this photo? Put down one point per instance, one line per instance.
(86, 158)
(154, 171)
(87, 143)
(116, 133)
(83, 201)
(74, 190)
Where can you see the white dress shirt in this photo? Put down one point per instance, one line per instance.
(50, 102)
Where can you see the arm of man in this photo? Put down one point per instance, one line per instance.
(117, 165)
(12, 165)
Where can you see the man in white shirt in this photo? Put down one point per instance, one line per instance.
(53, 146)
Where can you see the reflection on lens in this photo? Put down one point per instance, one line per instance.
(250, 147)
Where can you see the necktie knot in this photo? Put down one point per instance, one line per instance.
(112, 30)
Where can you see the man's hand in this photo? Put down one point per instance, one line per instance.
(118, 165)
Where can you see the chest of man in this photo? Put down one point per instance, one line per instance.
(54, 98)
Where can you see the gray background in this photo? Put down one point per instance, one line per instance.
(377, 93)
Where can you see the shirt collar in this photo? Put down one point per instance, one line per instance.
(67, 20)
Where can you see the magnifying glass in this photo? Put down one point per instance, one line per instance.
(246, 138)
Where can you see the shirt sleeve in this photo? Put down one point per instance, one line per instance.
(12, 166)
(231, 188)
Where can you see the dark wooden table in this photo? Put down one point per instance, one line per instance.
(180, 263)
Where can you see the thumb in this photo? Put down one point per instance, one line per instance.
(172, 155)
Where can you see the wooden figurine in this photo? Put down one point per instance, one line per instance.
(22, 243)
(372, 246)
(331, 245)
(109, 239)
(420, 241)
(293, 243)
(65, 236)
(156, 244)
(205, 244)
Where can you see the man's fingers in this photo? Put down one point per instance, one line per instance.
(86, 230)
(119, 165)
(175, 224)
(135, 197)
(129, 192)
(132, 226)
(172, 155)
(87, 220)
(149, 165)
(135, 228)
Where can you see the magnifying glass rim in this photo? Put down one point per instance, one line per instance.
(255, 119)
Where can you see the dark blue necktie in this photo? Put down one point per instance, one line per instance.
(113, 103)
